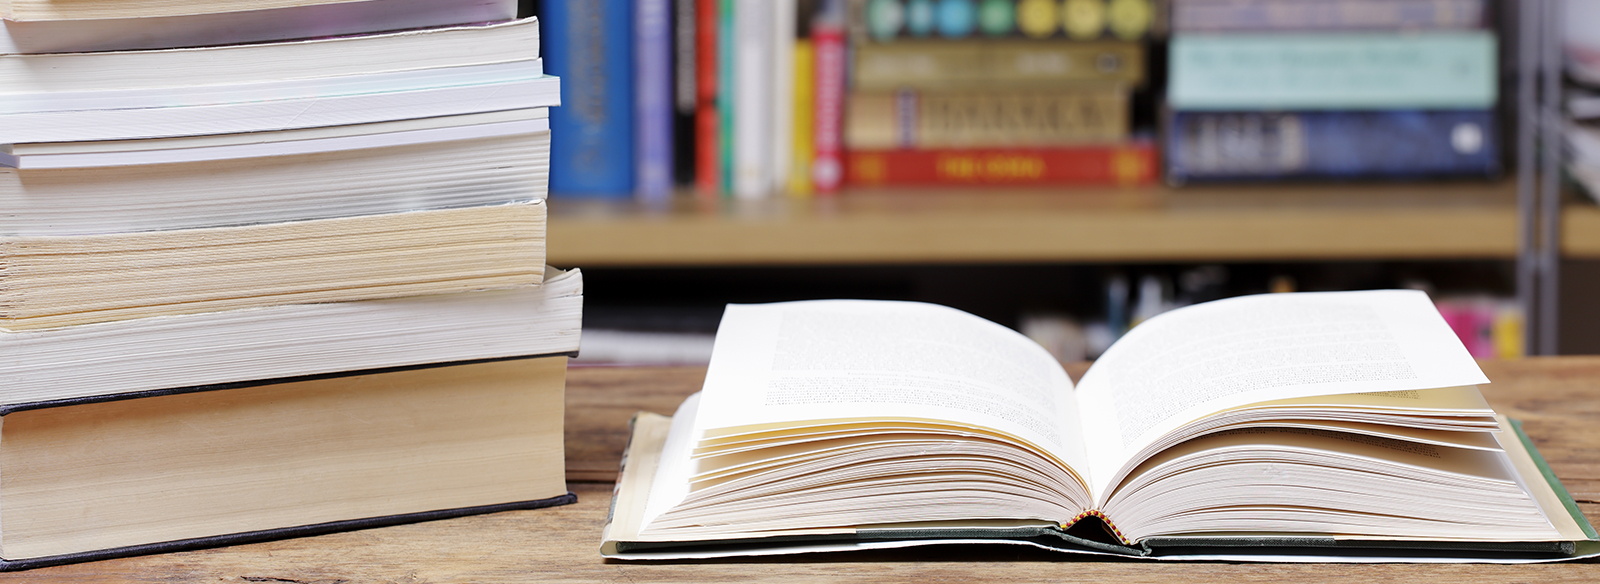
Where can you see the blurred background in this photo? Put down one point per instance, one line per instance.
(1071, 167)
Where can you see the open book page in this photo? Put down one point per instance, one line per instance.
(841, 361)
(1202, 359)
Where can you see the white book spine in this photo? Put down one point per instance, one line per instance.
(752, 116)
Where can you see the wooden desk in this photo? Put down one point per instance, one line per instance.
(1558, 400)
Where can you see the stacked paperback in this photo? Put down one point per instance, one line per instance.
(264, 278)
(1273, 89)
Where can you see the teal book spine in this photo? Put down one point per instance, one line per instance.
(1420, 70)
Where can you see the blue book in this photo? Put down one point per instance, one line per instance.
(653, 99)
(1333, 71)
(1331, 144)
(589, 44)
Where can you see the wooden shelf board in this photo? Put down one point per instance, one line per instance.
(1254, 223)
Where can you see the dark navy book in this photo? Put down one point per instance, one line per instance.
(589, 44)
(1207, 145)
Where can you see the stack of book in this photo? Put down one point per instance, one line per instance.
(263, 278)
(1270, 89)
(1031, 92)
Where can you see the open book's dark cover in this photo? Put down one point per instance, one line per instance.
(282, 532)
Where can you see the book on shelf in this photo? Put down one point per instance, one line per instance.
(219, 348)
(1009, 64)
(1448, 69)
(1130, 163)
(53, 281)
(977, 118)
(1342, 426)
(269, 177)
(1079, 20)
(1235, 145)
(685, 90)
(590, 46)
(654, 99)
(310, 20)
(1218, 16)
(178, 469)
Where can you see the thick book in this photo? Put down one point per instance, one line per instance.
(979, 119)
(590, 45)
(55, 281)
(829, 65)
(408, 50)
(276, 105)
(1338, 426)
(1128, 163)
(249, 26)
(1077, 20)
(189, 468)
(26, 10)
(751, 48)
(1214, 16)
(999, 64)
(1416, 70)
(707, 114)
(196, 182)
(229, 347)
(1205, 145)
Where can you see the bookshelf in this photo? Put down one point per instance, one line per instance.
(1251, 223)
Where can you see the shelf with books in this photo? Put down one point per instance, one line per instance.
(1265, 222)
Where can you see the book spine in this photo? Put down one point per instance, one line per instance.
(653, 99)
(780, 138)
(998, 64)
(589, 45)
(1133, 163)
(1032, 19)
(685, 91)
(1425, 70)
(752, 99)
(1342, 144)
(726, 45)
(977, 119)
(828, 66)
(707, 118)
(802, 152)
(1325, 15)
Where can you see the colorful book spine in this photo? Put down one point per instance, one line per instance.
(685, 91)
(828, 65)
(1204, 16)
(1132, 163)
(1325, 144)
(726, 45)
(801, 151)
(1423, 70)
(653, 99)
(976, 118)
(780, 133)
(996, 64)
(588, 43)
(1033, 19)
(707, 118)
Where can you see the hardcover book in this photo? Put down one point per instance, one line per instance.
(1420, 70)
(180, 469)
(999, 64)
(1131, 163)
(590, 45)
(1209, 16)
(979, 119)
(1339, 426)
(1206, 145)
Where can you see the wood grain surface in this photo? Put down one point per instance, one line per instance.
(1558, 400)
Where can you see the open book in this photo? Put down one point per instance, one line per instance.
(1341, 425)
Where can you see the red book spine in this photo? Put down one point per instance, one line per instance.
(707, 155)
(828, 52)
(1111, 164)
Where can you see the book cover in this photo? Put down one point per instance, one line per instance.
(1420, 70)
(996, 64)
(590, 46)
(978, 118)
(654, 97)
(1208, 145)
(1132, 163)
(1205, 16)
